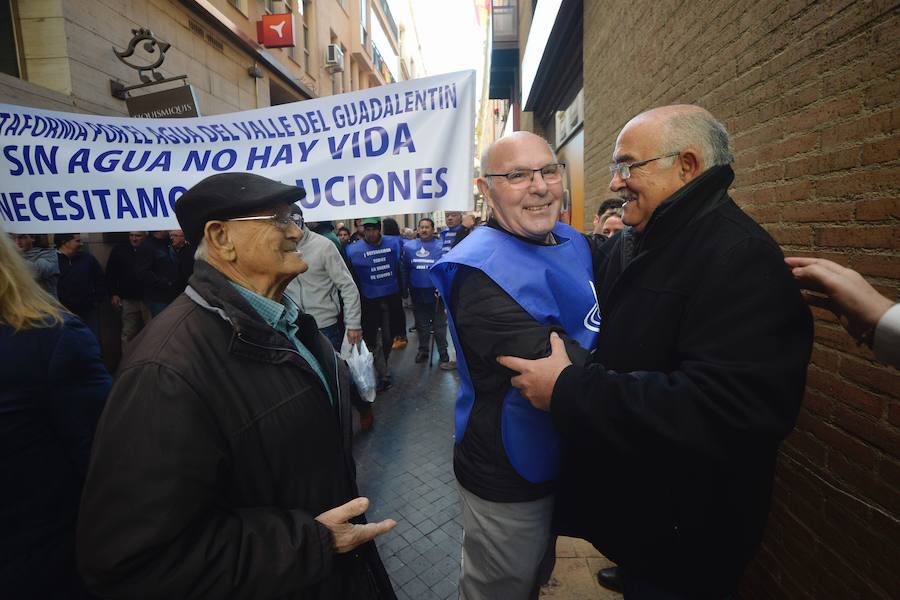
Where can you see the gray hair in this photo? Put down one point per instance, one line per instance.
(700, 130)
(202, 252)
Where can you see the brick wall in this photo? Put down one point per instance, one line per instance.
(811, 95)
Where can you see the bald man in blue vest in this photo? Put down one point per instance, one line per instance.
(508, 285)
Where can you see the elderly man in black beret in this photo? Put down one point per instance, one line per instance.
(222, 465)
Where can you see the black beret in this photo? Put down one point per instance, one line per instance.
(228, 195)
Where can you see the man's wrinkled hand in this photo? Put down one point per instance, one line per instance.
(347, 535)
(537, 377)
(354, 336)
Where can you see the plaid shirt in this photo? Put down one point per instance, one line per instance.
(282, 317)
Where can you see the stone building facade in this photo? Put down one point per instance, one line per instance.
(65, 59)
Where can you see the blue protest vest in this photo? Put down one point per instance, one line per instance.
(418, 256)
(447, 237)
(377, 267)
(554, 284)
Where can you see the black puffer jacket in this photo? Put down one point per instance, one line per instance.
(217, 449)
(698, 375)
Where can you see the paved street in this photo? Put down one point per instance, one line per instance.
(406, 469)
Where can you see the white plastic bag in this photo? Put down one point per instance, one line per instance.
(362, 368)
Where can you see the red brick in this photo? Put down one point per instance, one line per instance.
(836, 160)
(825, 358)
(861, 127)
(882, 151)
(767, 213)
(878, 209)
(894, 414)
(864, 483)
(827, 111)
(879, 434)
(800, 97)
(884, 91)
(847, 445)
(836, 337)
(823, 314)
(889, 470)
(887, 236)
(847, 393)
(750, 176)
(791, 235)
(809, 212)
(876, 265)
(807, 446)
(883, 379)
(817, 402)
(864, 182)
(839, 55)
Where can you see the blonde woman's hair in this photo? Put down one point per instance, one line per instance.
(24, 304)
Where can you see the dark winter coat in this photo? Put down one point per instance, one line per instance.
(121, 273)
(157, 269)
(697, 378)
(81, 284)
(218, 448)
(53, 389)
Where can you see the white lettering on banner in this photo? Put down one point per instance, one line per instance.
(381, 276)
(379, 251)
(395, 149)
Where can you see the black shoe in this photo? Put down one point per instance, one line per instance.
(383, 385)
(422, 356)
(610, 578)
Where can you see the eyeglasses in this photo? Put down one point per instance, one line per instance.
(281, 221)
(624, 169)
(551, 173)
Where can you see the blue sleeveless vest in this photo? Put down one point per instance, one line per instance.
(447, 237)
(377, 267)
(554, 284)
(418, 257)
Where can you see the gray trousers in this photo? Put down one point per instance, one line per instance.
(504, 544)
(132, 320)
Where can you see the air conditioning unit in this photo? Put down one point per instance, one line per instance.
(334, 59)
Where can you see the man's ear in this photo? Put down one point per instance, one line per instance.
(690, 164)
(485, 190)
(219, 241)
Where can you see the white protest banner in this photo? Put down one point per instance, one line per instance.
(395, 149)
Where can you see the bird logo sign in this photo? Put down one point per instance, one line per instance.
(276, 31)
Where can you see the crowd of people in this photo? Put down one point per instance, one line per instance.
(662, 353)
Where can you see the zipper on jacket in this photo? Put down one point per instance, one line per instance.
(292, 351)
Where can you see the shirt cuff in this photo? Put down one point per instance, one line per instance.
(887, 337)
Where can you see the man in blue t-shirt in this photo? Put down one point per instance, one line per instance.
(376, 267)
(418, 256)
